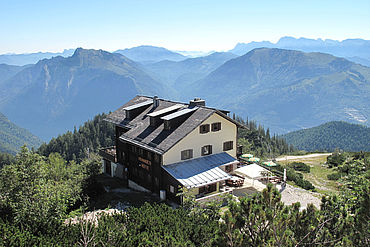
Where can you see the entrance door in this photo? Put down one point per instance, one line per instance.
(108, 167)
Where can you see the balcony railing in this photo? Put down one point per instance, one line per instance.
(109, 153)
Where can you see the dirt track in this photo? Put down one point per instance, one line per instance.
(302, 156)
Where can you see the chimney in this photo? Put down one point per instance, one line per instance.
(197, 102)
(155, 101)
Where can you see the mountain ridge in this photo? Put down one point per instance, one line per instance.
(149, 54)
(58, 93)
(188, 70)
(31, 58)
(275, 86)
(355, 50)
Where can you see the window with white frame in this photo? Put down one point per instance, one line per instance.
(228, 145)
(206, 150)
(187, 154)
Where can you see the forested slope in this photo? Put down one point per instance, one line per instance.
(13, 137)
(75, 145)
(258, 141)
(331, 135)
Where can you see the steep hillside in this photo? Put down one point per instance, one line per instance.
(146, 54)
(7, 71)
(332, 135)
(13, 137)
(289, 90)
(56, 94)
(31, 58)
(187, 71)
(356, 50)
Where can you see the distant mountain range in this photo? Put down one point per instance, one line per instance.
(188, 70)
(282, 89)
(356, 50)
(56, 94)
(32, 58)
(331, 135)
(288, 90)
(13, 137)
(150, 54)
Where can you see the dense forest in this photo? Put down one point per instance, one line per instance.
(76, 145)
(6, 159)
(259, 142)
(331, 135)
(98, 133)
(39, 194)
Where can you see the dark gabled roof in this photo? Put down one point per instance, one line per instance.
(157, 139)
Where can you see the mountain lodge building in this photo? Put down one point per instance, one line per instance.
(161, 145)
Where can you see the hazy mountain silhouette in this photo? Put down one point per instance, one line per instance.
(288, 90)
(356, 50)
(32, 58)
(56, 94)
(181, 74)
(7, 71)
(150, 54)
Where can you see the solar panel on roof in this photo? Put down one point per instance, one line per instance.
(165, 110)
(179, 113)
(132, 107)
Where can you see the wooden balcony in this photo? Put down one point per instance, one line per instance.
(109, 153)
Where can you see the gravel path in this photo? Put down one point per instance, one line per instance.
(302, 156)
(293, 194)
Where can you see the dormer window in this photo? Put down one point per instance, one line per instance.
(204, 128)
(216, 127)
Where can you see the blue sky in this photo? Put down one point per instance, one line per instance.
(41, 25)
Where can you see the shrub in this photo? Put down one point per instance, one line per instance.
(335, 159)
(334, 176)
(300, 166)
(304, 184)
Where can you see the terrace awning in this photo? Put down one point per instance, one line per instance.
(246, 156)
(254, 159)
(269, 163)
(201, 171)
(252, 171)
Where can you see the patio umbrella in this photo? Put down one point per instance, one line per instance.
(247, 156)
(269, 163)
(254, 159)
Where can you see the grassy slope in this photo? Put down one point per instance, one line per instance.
(318, 174)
